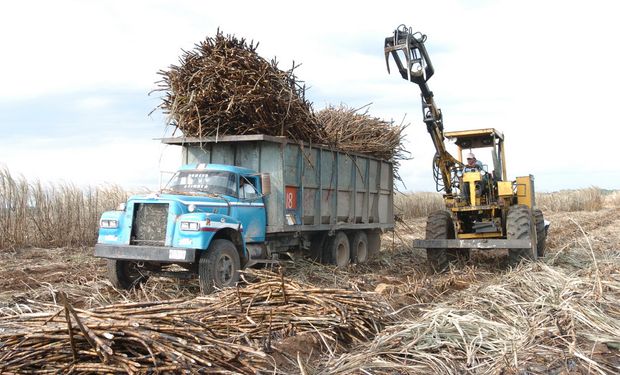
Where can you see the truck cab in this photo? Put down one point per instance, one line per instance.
(214, 207)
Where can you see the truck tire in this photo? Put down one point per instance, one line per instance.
(125, 274)
(520, 226)
(317, 246)
(359, 247)
(219, 266)
(541, 233)
(438, 227)
(374, 243)
(338, 250)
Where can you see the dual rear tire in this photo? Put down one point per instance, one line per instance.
(355, 247)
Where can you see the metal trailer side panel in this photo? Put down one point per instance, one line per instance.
(312, 188)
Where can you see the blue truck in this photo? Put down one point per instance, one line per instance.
(242, 201)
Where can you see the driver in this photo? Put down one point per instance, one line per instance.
(473, 165)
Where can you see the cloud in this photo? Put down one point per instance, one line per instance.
(77, 76)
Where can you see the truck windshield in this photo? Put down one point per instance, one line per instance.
(213, 182)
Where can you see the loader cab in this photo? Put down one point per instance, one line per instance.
(477, 186)
(471, 140)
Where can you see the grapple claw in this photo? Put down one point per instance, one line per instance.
(417, 66)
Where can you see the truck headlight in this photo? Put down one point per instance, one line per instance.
(190, 226)
(106, 223)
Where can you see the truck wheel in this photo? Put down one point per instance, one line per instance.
(219, 266)
(520, 226)
(374, 243)
(359, 247)
(541, 233)
(125, 274)
(338, 250)
(438, 227)
(317, 244)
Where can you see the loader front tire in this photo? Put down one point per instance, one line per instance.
(541, 233)
(439, 227)
(219, 266)
(520, 225)
(125, 274)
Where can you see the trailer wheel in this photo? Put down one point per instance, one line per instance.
(374, 243)
(338, 250)
(359, 247)
(520, 225)
(438, 227)
(317, 244)
(125, 274)
(219, 266)
(541, 233)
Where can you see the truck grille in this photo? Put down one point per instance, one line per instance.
(149, 224)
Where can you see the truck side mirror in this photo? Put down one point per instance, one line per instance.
(265, 183)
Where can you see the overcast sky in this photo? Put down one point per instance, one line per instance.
(74, 101)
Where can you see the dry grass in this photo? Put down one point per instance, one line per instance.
(590, 199)
(51, 215)
(613, 199)
(414, 205)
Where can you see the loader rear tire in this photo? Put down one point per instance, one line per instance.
(339, 250)
(541, 233)
(125, 274)
(219, 266)
(438, 227)
(520, 225)
(359, 247)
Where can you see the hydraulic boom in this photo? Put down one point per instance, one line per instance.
(417, 68)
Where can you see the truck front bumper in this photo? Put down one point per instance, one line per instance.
(146, 253)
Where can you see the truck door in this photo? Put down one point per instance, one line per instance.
(251, 210)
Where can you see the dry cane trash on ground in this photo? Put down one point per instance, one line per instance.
(235, 330)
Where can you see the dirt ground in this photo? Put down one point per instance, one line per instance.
(30, 278)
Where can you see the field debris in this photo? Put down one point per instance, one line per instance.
(536, 319)
(235, 330)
